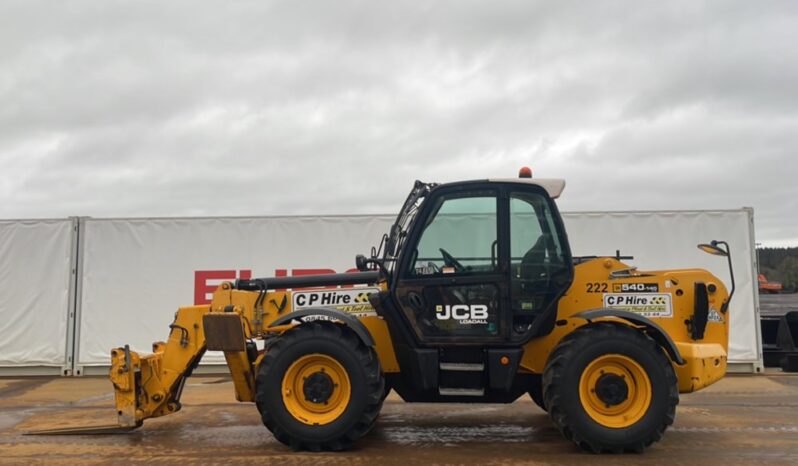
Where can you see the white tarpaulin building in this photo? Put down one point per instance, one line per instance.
(132, 274)
(37, 265)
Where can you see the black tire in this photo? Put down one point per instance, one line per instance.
(362, 366)
(536, 393)
(561, 392)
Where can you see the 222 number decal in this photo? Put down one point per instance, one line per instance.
(596, 287)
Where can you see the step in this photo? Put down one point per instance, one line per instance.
(461, 391)
(462, 366)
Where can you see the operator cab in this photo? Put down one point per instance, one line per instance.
(479, 262)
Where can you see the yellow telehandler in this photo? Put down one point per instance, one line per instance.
(473, 296)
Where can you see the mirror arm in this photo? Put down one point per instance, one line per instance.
(725, 306)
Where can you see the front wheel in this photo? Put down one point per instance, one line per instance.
(610, 388)
(319, 387)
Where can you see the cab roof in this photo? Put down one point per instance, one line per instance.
(553, 186)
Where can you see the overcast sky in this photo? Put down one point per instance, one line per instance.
(112, 109)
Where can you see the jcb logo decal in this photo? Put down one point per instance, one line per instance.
(463, 313)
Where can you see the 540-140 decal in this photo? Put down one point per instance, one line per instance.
(604, 287)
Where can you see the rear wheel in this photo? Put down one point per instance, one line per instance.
(319, 387)
(610, 388)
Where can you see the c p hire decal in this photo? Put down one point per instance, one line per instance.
(463, 313)
(353, 301)
(645, 304)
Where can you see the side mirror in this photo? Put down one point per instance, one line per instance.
(361, 263)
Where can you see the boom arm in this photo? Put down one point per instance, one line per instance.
(150, 385)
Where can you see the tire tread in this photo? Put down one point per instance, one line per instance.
(554, 381)
(366, 358)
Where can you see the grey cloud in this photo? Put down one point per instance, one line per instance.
(246, 108)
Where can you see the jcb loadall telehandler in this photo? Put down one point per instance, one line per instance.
(472, 297)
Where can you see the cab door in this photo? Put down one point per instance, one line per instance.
(541, 268)
(453, 277)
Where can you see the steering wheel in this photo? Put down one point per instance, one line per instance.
(450, 261)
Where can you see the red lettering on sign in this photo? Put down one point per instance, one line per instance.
(206, 281)
(202, 288)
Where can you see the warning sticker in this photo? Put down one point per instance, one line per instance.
(645, 304)
(714, 316)
(353, 301)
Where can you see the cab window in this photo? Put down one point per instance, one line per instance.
(536, 253)
(459, 238)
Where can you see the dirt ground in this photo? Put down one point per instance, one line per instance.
(741, 420)
(777, 304)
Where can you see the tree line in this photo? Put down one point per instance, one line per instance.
(780, 265)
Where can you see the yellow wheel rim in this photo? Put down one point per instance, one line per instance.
(615, 391)
(316, 389)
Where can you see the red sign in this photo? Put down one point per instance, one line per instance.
(206, 281)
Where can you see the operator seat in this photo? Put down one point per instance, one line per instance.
(533, 263)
